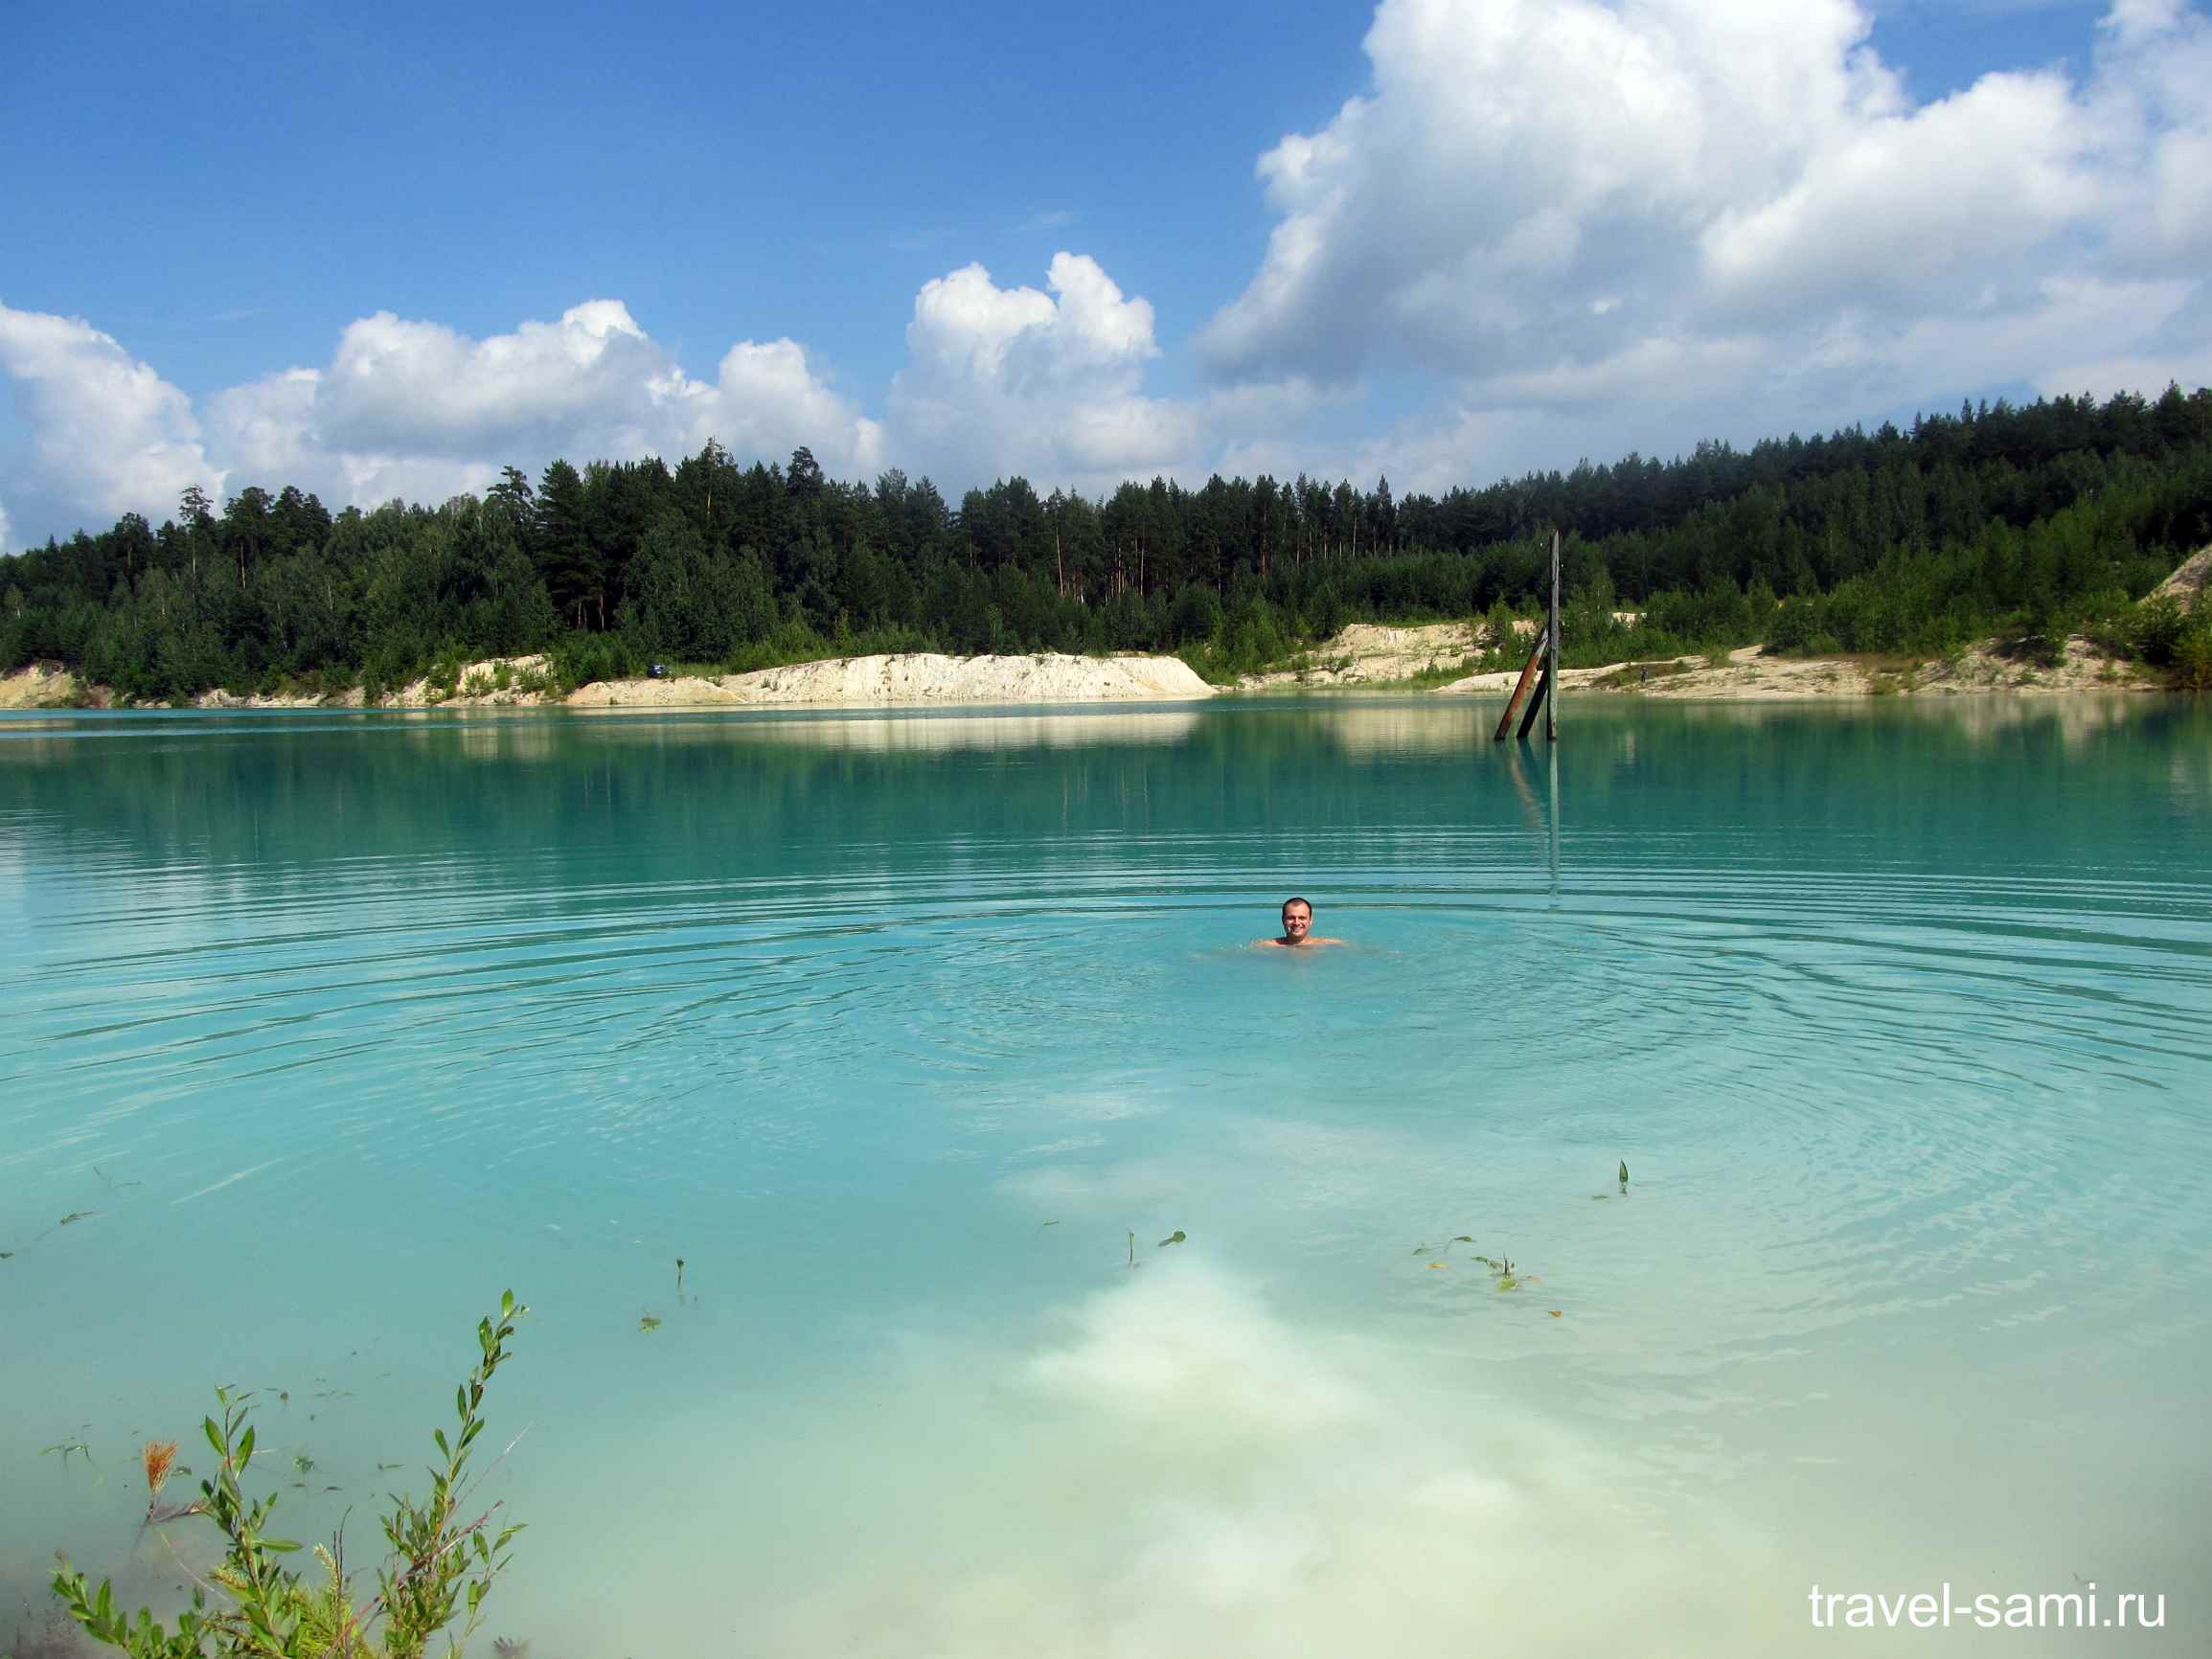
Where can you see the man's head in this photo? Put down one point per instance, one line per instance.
(1297, 919)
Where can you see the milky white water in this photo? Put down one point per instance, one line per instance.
(897, 1029)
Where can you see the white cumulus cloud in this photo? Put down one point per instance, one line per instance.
(108, 434)
(405, 407)
(420, 409)
(1722, 212)
(1047, 384)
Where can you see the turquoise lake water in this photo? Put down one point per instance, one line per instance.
(905, 1033)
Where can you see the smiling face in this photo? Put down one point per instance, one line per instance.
(1297, 919)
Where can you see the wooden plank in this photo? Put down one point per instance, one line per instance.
(1536, 703)
(1551, 673)
(1519, 691)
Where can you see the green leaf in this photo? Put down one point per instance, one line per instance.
(282, 1546)
(246, 1448)
(1177, 1237)
(215, 1434)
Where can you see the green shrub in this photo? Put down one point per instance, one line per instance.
(2157, 628)
(581, 658)
(440, 1569)
(2192, 656)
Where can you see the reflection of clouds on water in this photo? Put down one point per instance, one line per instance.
(1183, 1471)
(1292, 1162)
(1170, 1466)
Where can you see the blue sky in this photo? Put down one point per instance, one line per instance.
(384, 250)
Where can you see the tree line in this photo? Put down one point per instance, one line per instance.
(2025, 519)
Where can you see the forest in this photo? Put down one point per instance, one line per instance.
(2017, 522)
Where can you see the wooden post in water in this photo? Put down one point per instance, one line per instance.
(1551, 718)
(1536, 703)
(1519, 691)
(1546, 651)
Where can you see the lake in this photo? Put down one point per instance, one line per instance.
(914, 1035)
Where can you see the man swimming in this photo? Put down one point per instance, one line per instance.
(1297, 927)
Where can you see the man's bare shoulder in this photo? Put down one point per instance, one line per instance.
(1290, 944)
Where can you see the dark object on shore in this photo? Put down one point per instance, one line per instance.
(656, 672)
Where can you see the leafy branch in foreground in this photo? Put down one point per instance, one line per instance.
(440, 1566)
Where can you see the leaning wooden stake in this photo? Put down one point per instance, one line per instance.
(1519, 691)
(1551, 673)
(1536, 703)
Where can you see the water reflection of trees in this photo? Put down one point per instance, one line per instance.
(2016, 777)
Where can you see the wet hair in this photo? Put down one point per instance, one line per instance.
(1295, 899)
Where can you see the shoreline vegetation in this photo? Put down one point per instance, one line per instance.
(1443, 658)
(2001, 548)
(1454, 657)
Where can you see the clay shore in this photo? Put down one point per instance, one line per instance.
(918, 679)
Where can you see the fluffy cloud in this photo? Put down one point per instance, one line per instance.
(1662, 204)
(998, 381)
(108, 435)
(1552, 228)
(419, 409)
(404, 408)
(1048, 384)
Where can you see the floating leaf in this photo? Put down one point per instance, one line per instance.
(1436, 1266)
(1175, 1237)
(1462, 1239)
(77, 1216)
(649, 1322)
(1624, 1172)
(1555, 1313)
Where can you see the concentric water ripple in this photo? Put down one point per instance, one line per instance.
(1903, 1020)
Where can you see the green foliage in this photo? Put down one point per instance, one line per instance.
(2023, 522)
(2158, 629)
(440, 1566)
(581, 658)
(2193, 656)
